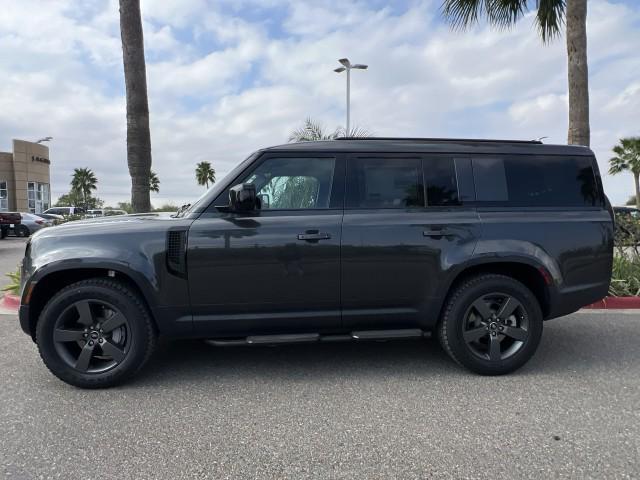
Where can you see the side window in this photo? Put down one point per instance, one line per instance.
(293, 183)
(442, 184)
(384, 183)
(537, 181)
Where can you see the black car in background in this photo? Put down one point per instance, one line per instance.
(476, 241)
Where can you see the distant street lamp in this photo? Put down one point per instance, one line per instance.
(45, 139)
(348, 67)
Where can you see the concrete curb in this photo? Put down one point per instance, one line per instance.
(10, 302)
(616, 303)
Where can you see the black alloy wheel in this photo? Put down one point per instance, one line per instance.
(495, 326)
(95, 333)
(491, 324)
(92, 336)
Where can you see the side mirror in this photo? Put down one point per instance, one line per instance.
(242, 198)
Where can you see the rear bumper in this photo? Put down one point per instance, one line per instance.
(564, 302)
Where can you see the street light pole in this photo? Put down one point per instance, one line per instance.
(348, 101)
(346, 65)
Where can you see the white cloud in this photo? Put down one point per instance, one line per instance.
(225, 79)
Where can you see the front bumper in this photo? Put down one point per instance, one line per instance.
(23, 315)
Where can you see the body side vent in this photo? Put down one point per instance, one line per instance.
(177, 252)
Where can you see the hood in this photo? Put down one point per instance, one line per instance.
(114, 225)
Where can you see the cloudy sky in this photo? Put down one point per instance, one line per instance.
(227, 77)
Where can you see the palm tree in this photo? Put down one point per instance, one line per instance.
(154, 182)
(205, 174)
(627, 159)
(135, 78)
(83, 181)
(550, 16)
(313, 131)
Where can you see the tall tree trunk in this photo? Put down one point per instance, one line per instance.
(636, 178)
(579, 133)
(135, 78)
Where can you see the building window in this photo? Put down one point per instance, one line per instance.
(4, 196)
(38, 197)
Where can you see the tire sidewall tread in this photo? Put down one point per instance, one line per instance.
(143, 332)
(449, 328)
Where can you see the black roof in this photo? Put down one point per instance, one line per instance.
(434, 145)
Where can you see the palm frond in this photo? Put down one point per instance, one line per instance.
(310, 132)
(463, 14)
(354, 132)
(550, 18)
(627, 156)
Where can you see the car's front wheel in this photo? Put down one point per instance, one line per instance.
(491, 324)
(95, 333)
(22, 231)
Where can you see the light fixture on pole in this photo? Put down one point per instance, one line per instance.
(346, 65)
(45, 139)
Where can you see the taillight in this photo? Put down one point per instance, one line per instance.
(40, 222)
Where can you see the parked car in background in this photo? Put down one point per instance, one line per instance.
(477, 242)
(50, 216)
(7, 222)
(633, 212)
(66, 211)
(109, 212)
(30, 223)
(94, 212)
(104, 212)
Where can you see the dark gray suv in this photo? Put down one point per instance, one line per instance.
(476, 241)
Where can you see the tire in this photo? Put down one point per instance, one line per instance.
(95, 333)
(4, 231)
(491, 324)
(22, 231)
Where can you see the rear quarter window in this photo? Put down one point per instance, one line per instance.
(536, 181)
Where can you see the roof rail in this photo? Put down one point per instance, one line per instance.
(431, 140)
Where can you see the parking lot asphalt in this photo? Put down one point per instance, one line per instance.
(11, 252)
(360, 410)
(367, 410)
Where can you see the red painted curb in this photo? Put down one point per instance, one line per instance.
(616, 303)
(10, 301)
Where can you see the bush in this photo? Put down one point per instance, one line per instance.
(625, 277)
(14, 286)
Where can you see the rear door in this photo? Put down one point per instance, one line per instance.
(405, 225)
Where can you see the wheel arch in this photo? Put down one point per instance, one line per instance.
(534, 276)
(54, 281)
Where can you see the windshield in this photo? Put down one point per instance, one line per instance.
(210, 195)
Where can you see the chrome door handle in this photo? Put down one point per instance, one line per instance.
(310, 237)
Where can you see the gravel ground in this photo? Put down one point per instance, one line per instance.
(368, 410)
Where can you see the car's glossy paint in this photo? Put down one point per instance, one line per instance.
(250, 274)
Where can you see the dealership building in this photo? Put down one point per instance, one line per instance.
(25, 178)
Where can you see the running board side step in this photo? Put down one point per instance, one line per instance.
(316, 337)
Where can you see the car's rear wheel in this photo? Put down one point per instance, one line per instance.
(491, 324)
(95, 333)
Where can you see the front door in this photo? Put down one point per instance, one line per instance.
(275, 270)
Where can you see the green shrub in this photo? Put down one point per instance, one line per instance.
(14, 286)
(625, 277)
